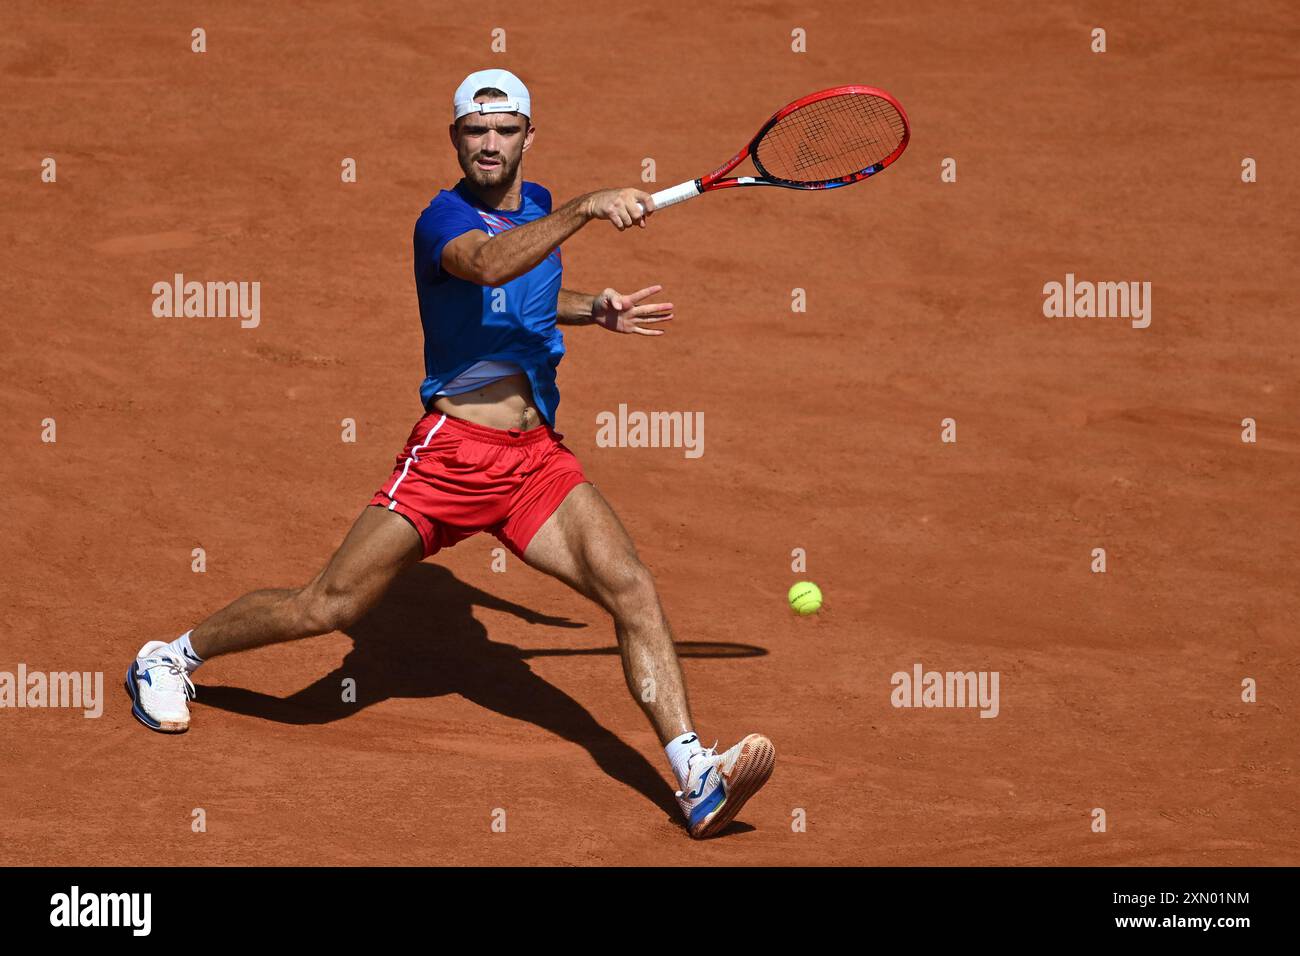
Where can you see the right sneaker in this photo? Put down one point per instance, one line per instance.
(160, 689)
(717, 785)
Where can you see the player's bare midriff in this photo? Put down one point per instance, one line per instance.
(505, 403)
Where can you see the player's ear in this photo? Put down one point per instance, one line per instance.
(451, 131)
(528, 136)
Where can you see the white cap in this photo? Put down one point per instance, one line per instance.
(517, 99)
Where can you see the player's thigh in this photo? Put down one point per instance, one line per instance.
(380, 544)
(584, 545)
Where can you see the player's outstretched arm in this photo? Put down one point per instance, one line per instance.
(494, 260)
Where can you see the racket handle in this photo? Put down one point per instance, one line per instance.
(675, 194)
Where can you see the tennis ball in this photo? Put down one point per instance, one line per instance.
(806, 598)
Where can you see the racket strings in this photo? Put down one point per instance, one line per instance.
(831, 138)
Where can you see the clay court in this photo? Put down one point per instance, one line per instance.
(481, 690)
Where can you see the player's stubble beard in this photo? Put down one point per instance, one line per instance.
(491, 179)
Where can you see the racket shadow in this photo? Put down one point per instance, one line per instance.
(422, 640)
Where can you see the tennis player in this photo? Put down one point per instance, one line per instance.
(485, 455)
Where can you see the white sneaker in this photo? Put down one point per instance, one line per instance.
(160, 689)
(717, 785)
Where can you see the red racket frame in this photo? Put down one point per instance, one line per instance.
(714, 181)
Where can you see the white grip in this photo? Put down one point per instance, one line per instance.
(675, 194)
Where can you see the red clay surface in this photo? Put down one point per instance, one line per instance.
(1119, 691)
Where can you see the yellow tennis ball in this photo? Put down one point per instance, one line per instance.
(806, 598)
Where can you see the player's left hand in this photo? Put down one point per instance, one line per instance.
(626, 313)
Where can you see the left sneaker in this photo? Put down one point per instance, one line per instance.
(717, 785)
(160, 689)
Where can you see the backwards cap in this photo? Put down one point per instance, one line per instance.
(517, 98)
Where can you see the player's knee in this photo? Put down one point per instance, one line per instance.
(323, 609)
(629, 588)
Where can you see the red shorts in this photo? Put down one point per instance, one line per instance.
(455, 479)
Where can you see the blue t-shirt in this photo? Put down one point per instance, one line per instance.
(466, 323)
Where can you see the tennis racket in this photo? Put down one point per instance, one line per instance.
(824, 140)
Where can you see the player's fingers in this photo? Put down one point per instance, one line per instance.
(640, 331)
(650, 309)
(652, 319)
(640, 294)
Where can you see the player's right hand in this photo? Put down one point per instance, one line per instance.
(622, 207)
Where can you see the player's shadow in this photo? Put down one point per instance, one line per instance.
(422, 640)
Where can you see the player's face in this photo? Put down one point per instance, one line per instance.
(490, 146)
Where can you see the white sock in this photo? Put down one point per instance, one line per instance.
(679, 754)
(183, 648)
